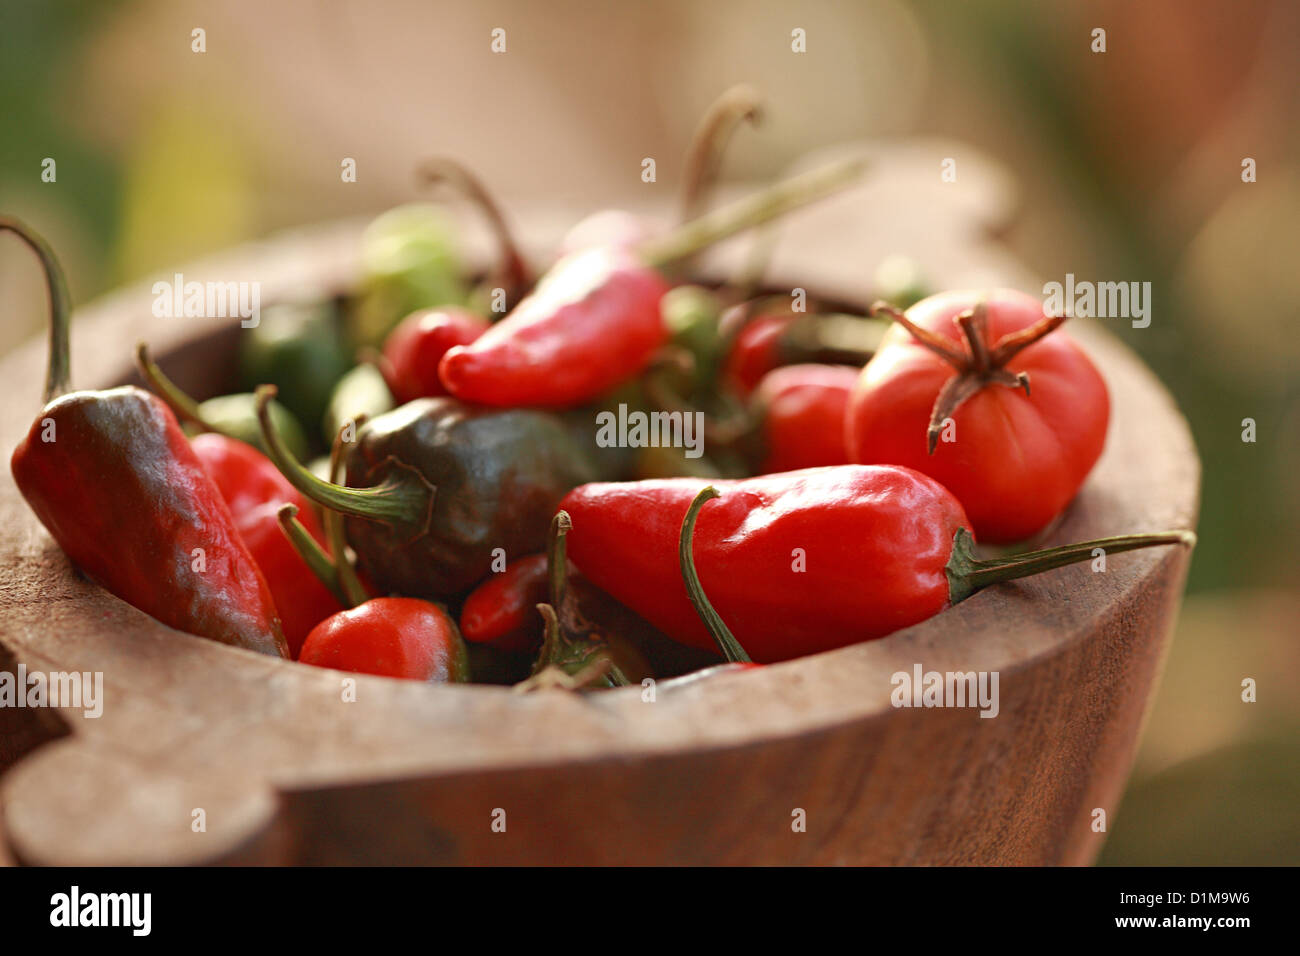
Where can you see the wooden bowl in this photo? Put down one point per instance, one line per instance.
(286, 772)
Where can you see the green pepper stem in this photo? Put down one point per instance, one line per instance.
(312, 554)
(557, 560)
(334, 531)
(751, 211)
(512, 268)
(58, 375)
(403, 499)
(718, 629)
(739, 104)
(968, 574)
(185, 407)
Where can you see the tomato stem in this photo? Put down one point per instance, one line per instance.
(739, 104)
(968, 574)
(751, 211)
(312, 554)
(717, 628)
(981, 366)
(58, 373)
(403, 499)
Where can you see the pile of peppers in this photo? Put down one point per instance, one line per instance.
(412, 482)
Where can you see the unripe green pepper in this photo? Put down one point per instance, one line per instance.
(236, 415)
(298, 348)
(692, 314)
(408, 262)
(362, 392)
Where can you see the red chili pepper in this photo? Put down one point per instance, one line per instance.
(115, 481)
(755, 351)
(246, 478)
(413, 350)
(802, 410)
(975, 392)
(502, 611)
(254, 489)
(301, 599)
(798, 562)
(593, 321)
(391, 637)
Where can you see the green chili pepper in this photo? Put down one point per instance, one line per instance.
(362, 392)
(299, 349)
(408, 262)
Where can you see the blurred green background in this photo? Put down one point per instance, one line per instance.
(1125, 165)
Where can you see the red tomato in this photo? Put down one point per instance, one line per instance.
(803, 409)
(417, 345)
(1014, 456)
(392, 637)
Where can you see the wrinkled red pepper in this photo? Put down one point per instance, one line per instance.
(113, 478)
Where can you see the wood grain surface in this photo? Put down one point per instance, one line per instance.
(286, 771)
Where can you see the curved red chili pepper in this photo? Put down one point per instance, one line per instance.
(392, 637)
(591, 323)
(502, 611)
(799, 562)
(413, 350)
(246, 478)
(802, 411)
(113, 478)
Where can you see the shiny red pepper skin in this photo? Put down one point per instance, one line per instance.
(873, 542)
(415, 349)
(592, 322)
(122, 492)
(254, 489)
(301, 599)
(802, 410)
(755, 351)
(391, 637)
(502, 611)
(246, 478)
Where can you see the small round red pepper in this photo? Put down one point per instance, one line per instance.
(392, 637)
(802, 410)
(755, 350)
(413, 350)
